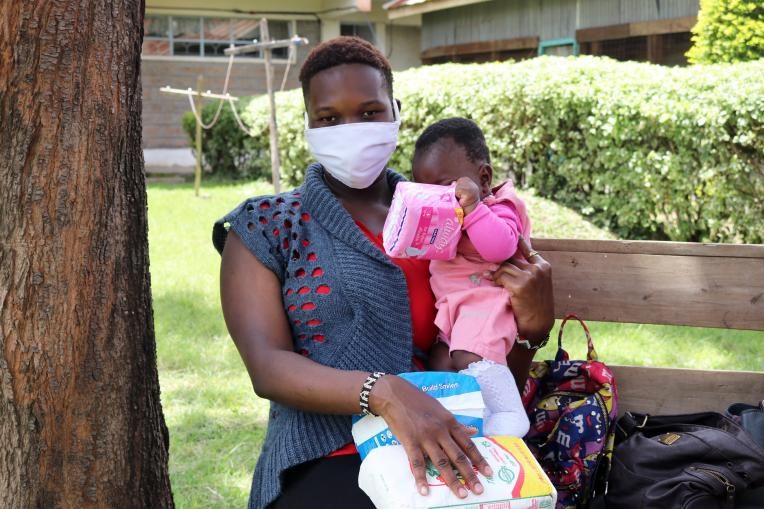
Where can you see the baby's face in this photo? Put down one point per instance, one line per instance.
(445, 162)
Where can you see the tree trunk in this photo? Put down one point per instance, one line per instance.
(81, 423)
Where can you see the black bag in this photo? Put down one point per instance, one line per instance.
(695, 461)
(751, 418)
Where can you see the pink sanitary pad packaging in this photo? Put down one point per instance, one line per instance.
(424, 222)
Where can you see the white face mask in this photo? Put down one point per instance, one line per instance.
(355, 154)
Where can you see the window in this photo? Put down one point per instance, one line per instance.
(663, 41)
(186, 36)
(518, 48)
(675, 46)
(664, 49)
(198, 36)
(628, 48)
(479, 57)
(156, 40)
(363, 30)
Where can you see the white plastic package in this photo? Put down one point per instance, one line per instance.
(518, 481)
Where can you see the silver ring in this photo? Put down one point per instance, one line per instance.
(532, 253)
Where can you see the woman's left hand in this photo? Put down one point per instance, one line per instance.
(527, 276)
(427, 430)
(528, 279)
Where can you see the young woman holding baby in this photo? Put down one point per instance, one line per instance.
(318, 311)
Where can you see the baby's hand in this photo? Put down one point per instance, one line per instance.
(468, 194)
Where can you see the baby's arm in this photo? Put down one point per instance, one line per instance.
(493, 231)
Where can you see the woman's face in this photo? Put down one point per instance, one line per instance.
(346, 94)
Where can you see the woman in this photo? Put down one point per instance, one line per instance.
(318, 311)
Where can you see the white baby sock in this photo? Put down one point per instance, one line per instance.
(504, 413)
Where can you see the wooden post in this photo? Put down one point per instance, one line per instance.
(655, 48)
(275, 157)
(198, 169)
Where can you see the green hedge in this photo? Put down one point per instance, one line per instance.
(650, 152)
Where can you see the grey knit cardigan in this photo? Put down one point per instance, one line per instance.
(346, 302)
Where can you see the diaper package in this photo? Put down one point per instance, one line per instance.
(518, 481)
(458, 393)
(425, 222)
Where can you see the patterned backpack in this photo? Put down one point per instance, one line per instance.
(572, 407)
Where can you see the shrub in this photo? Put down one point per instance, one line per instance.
(228, 152)
(728, 31)
(650, 152)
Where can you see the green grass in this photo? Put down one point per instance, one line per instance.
(217, 423)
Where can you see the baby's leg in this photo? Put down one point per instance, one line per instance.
(439, 359)
(505, 415)
(461, 359)
(478, 347)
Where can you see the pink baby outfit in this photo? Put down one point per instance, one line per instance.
(473, 313)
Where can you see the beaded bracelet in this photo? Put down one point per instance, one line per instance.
(527, 344)
(366, 391)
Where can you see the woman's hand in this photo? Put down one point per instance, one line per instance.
(528, 279)
(427, 430)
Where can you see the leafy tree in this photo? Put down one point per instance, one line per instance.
(728, 31)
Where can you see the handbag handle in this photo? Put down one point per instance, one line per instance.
(591, 353)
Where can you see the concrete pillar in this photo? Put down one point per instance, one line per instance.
(381, 31)
(330, 28)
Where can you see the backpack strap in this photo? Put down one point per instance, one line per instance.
(629, 424)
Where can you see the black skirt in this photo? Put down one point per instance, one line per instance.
(325, 482)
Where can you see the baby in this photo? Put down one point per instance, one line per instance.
(476, 324)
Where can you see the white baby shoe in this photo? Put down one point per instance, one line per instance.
(504, 413)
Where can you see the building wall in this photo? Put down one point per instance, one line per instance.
(548, 19)
(162, 112)
(613, 12)
(402, 46)
(400, 43)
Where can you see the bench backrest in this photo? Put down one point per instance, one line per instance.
(668, 283)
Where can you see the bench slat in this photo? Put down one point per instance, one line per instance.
(706, 285)
(651, 247)
(679, 391)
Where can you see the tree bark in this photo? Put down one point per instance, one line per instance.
(81, 423)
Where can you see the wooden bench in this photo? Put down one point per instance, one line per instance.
(668, 283)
